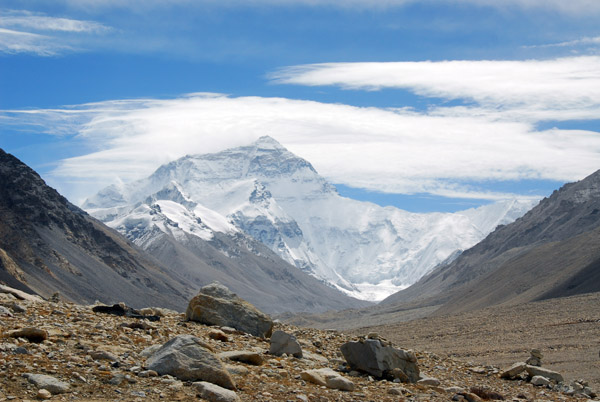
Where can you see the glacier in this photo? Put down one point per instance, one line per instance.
(265, 191)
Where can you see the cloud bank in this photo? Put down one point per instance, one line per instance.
(396, 151)
(531, 90)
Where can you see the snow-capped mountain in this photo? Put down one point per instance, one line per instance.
(265, 191)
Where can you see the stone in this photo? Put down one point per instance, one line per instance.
(244, 356)
(214, 393)
(540, 381)
(218, 335)
(217, 305)
(535, 359)
(373, 358)
(122, 310)
(237, 370)
(43, 394)
(539, 371)
(470, 397)
(35, 335)
(398, 374)
(189, 359)
(328, 378)
(150, 350)
(49, 383)
(282, 342)
(514, 370)
(430, 381)
(103, 355)
(5, 312)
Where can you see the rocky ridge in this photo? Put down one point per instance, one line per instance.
(95, 356)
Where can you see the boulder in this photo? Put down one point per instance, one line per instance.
(371, 357)
(189, 359)
(49, 383)
(214, 393)
(514, 370)
(539, 371)
(217, 305)
(282, 342)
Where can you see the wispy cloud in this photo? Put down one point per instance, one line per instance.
(26, 32)
(585, 41)
(398, 151)
(567, 7)
(532, 90)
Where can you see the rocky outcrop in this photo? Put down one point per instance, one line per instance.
(282, 342)
(372, 357)
(190, 359)
(217, 305)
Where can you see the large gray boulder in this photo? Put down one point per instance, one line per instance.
(217, 305)
(372, 357)
(190, 359)
(282, 342)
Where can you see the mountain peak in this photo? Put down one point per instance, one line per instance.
(267, 142)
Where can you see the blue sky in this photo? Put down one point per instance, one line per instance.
(432, 105)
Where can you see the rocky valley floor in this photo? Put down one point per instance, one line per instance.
(566, 330)
(101, 357)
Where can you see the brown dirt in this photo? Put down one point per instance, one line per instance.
(566, 330)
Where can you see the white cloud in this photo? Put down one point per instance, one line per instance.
(26, 32)
(37, 22)
(398, 151)
(12, 42)
(584, 41)
(559, 89)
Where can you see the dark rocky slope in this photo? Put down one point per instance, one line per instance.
(552, 251)
(49, 245)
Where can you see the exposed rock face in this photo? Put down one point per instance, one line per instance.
(372, 357)
(282, 342)
(49, 245)
(190, 359)
(216, 305)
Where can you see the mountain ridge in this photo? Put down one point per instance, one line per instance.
(262, 189)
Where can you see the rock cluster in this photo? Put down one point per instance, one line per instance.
(543, 377)
(95, 356)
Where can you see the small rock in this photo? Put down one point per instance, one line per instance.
(430, 381)
(147, 373)
(244, 356)
(236, 370)
(43, 394)
(214, 393)
(282, 342)
(53, 385)
(5, 312)
(34, 335)
(103, 355)
(540, 381)
(470, 397)
(218, 335)
(328, 378)
(117, 379)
